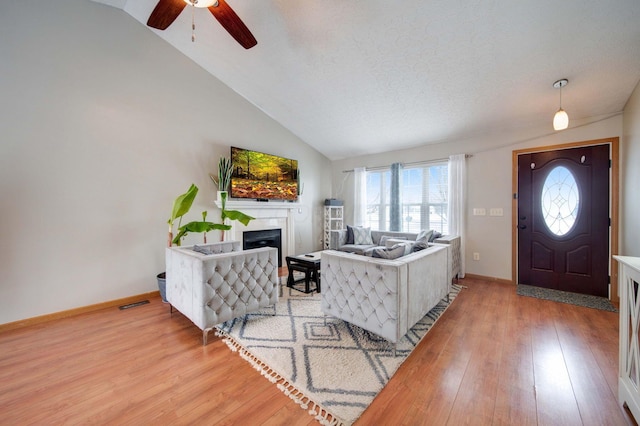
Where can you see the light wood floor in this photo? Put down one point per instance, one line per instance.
(493, 358)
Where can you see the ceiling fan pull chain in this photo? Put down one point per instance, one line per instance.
(193, 21)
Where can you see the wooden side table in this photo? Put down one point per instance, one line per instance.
(309, 265)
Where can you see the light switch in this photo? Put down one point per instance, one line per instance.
(496, 212)
(479, 211)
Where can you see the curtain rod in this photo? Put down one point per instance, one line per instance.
(415, 163)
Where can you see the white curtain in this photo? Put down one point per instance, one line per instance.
(458, 202)
(359, 196)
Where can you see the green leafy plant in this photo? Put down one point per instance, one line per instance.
(181, 206)
(202, 227)
(233, 214)
(183, 203)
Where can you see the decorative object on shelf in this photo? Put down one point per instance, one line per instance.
(560, 119)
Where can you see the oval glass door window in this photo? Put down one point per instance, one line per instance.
(560, 200)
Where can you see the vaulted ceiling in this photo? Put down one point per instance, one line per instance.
(368, 76)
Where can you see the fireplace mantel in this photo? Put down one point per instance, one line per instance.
(243, 205)
(268, 215)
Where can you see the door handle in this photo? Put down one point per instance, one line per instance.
(522, 226)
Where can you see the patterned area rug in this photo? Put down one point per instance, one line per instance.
(585, 300)
(334, 369)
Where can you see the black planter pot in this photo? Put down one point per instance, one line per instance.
(162, 286)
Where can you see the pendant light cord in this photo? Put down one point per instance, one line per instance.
(560, 97)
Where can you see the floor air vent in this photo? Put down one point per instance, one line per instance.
(133, 305)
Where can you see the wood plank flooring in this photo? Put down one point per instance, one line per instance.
(493, 358)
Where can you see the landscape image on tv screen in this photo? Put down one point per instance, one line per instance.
(263, 176)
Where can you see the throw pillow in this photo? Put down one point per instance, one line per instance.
(349, 235)
(203, 250)
(408, 247)
(362, 236)
(422, 240)
(390, 242)
(392, 253)
(435, 235)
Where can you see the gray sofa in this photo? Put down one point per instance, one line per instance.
(385, 297)
(338, 241)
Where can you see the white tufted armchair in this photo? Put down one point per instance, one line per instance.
(210, 289)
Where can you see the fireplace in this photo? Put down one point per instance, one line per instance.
(268, 216)
(263, 238)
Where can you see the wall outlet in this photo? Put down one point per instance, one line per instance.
(476, 256)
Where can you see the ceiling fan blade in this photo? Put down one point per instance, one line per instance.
(165, 13)
(233, 24)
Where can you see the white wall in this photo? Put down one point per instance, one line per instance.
(103, 125)
(630, 195)
(489, 174)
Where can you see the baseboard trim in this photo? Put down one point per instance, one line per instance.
(484, 278)
(76, 311)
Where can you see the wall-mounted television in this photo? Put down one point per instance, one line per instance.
(263, 176)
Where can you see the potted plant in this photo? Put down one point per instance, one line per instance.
(225, 169)
(181, 206)
(300, 186)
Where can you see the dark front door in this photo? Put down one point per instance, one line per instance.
(563, 219)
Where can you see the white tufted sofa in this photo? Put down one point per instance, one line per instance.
(385, 297)
(213, 288)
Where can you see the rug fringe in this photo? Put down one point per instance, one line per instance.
(314, 409)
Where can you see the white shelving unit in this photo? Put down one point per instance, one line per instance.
(629, 366)
(333, 220)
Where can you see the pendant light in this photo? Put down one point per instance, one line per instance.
(561, 119)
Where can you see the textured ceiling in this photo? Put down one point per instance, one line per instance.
(368, 76)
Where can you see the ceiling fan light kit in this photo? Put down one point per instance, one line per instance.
(560, 119)
(202, 3)
(166, 11)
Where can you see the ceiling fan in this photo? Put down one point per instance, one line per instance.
(166, 11)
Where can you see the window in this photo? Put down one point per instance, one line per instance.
(560, 200)
(423, 194)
